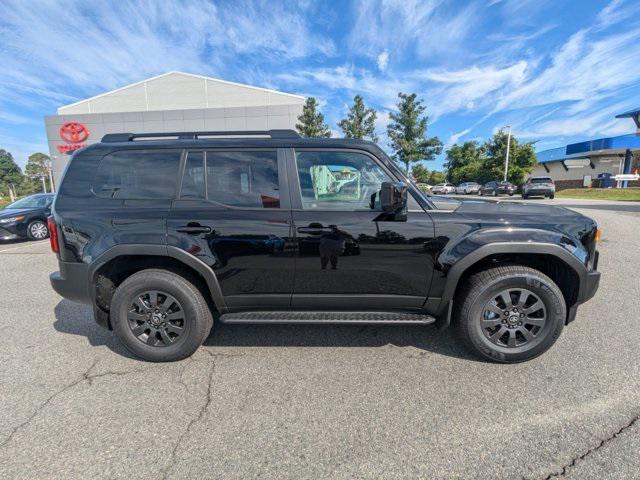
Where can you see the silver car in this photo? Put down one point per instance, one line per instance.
(539, 186)
(443, 188)
(467, 188)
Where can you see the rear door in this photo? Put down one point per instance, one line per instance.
(233, 213)
(347, 255)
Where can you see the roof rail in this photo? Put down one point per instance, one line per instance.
(130, 137)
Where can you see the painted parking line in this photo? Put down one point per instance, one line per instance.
(24, 245)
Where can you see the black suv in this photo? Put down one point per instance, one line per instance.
(163, 233)
(496, 188)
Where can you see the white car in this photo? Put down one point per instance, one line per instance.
(467, 188)
(443, 188)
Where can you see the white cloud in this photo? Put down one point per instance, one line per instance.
(470, 88)
(383, 61)
(455, 137)
(57, 50)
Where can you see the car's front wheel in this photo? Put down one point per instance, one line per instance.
(160, 316)
(37, 230)
(510, 313)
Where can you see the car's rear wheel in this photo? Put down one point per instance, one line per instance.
(495, 193)
(160, 316)
(510, 314)
(552, 196)
(525, 196)
(37, 230)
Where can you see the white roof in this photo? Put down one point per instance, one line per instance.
(179, 91)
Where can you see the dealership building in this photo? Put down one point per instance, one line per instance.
(172, 102)
(580, 164)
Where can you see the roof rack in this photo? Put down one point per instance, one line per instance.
(130, 137)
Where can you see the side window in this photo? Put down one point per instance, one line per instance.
(193, 178)
(243, 179)
(339, 180)
(137, 174)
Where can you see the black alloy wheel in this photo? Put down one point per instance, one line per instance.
(513, 318)
(156, 318)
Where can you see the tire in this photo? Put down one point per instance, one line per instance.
(495, 193)
(524, 196)
(480, 193)
(475, 323)
(37, 230)
(153, 341)
(552, 196)
(511, 194)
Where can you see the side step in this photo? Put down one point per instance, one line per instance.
(358, 318)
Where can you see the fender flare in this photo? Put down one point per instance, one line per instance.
(457, 270)
(176, 253)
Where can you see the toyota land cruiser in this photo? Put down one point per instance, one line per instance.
(162, 233)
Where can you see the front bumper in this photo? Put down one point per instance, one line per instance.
(72, 281)
(6, 234)
(591, 284)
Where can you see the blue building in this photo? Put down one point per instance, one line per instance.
(579, 164)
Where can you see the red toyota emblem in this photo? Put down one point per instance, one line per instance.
(74, 132)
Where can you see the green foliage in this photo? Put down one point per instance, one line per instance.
(360, 121)
(465, 162)
(312, 121)
(422, 175)
(37, 167)
(483, 163)
(408, 132)
(10, 174)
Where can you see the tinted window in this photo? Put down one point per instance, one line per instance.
(193, 179)
(339, 180)
(133, 174)
(540, 180)
(243, 179)
(32, 202)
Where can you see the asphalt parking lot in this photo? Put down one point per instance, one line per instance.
(318, 401)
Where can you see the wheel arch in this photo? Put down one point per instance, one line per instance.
(122, 261)
(560, 265)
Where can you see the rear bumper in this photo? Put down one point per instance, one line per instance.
(71, 281)
(540, 191)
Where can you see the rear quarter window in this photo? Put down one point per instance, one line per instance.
(137, 174)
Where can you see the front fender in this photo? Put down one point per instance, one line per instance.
(456, 258)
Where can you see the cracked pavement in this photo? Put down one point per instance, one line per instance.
(318, 401)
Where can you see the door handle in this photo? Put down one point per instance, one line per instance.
(193, 229)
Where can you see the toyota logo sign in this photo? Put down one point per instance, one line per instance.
(74, 133)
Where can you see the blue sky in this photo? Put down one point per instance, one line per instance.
(558, 71)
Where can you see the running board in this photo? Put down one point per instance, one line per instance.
(358, 318)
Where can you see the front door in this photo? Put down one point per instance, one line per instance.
(232, 213)
(347, 257)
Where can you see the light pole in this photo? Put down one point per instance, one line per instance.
(506, 158)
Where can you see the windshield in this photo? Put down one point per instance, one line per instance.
(31, 202)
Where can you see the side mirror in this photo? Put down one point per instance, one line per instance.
(393, 200)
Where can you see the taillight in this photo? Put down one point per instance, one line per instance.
(53, 234)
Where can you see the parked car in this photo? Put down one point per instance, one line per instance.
(496, 188)
(443, 188)
(539, 186)
(467, 188)
(163, 233)
(26, 218)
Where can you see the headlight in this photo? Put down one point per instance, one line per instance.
(11, 219)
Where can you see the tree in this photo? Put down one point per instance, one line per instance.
(360, 121)
(312, 121)
(37, 167)
(522, 158)
(422, 175)
(10, 173)
(464, 162)
(408, 130)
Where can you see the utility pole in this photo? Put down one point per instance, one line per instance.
(44, 185)
(50, 165)
(506, 158)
